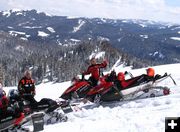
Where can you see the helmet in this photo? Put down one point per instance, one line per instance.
(150, 72)
(121, 76)
(13, 94)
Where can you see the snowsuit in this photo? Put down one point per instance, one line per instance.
(94, 70)
(122, 84)
(3, 102)
(5, 109)
(26, 88)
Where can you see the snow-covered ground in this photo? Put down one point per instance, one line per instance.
(145, 115)
(42, 34)
(176, 38)
(78, 27)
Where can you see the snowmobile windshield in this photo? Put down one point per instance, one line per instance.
(1, 95)
(73, 82)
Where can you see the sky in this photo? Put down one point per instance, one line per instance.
(157, 10)
(173, 2)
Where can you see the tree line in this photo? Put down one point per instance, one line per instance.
(52, 62)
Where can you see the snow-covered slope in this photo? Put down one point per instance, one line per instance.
(145, 115)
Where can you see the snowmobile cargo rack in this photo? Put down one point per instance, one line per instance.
(38, 122)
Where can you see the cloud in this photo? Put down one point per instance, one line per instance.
(134, 9)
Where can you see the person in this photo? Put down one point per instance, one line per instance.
(26, 88)
(3, 101)
(6, 109)
(120, 82)
(94, 70)
(26, 91)
(150, 72)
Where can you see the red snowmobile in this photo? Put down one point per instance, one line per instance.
(111, 89)
(78, 89)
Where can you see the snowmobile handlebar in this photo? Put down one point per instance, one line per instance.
(82, 76)
(165, 75)
(172, 79)
(128, 73)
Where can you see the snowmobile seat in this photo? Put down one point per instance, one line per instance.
(125, 84)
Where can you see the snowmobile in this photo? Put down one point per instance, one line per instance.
(78, 89)
(108, 90)
(53, 110)
(15, 121)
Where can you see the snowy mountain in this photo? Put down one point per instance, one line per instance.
(145, 115)
(150, 40)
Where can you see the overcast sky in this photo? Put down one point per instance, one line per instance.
(159, 10)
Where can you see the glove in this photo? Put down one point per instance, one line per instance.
(33, 93)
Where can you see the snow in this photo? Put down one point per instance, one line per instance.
(155, 54)
(179, 32)
(51, 29)
(119, 39)
(144, 36)
(22, 38)
(119, 67)
(24, 23)
(125, 21)
(145, 115)
(100, 38)
(10, 27)
(75, 40)
(103, 20)
(143, 25)
(19, 13)
(19, 48)
(162, 27)
(16, 10)
(78, 27)
(15, 33)
(6, 13)
(71, 17)
(27, 36)
(97, 55)
(32, 27)
(42, 34)
(175, 38)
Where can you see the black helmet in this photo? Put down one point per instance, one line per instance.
(13, 94)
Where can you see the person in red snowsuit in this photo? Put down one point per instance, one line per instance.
(94, 70)
(6, 109)
(3, 101)
(26, 88)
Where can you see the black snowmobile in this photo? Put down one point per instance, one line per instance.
(12, 118)
(53, 111)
